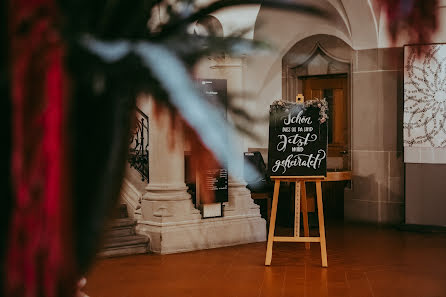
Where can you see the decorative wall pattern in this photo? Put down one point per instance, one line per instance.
(425, 104)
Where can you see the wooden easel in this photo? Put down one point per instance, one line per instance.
(297, 238)
(300, 191)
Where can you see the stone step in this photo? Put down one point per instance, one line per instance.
(120, 231)
(120, 237)
(120, 212)
(120, 227)
(125, 241)
(124, 245)
(121, 223)
(123, 251)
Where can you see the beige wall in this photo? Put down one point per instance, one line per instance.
(377, 193)
(425, 194)
(378, 183)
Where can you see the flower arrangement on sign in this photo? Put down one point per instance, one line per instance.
(322, 104)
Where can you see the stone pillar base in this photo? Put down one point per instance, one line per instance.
(185, 236)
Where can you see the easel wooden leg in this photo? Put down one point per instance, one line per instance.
(303, 195)
(272, 223)
(320, 212)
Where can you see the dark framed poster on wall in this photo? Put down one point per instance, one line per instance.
(297, 143)
(215, 179)
(216, 91)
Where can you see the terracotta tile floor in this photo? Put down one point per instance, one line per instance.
(363, 261)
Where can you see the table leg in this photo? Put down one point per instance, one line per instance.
(303, 195)
(320, 212)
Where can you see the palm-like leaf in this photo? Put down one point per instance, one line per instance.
(112, 56)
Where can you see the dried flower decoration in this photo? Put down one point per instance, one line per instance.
(322, 104)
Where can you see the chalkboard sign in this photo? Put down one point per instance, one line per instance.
(216, 179)
(298, 139)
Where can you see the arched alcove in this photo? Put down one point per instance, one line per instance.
(208, 25)
(314, 56)
(353, 22)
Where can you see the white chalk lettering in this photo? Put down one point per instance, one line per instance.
(300, 160)
(294, 140)
(297, 149)
(298, 119)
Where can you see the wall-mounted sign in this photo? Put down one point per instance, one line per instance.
(298, 139)
(215, 90)
(216, 179)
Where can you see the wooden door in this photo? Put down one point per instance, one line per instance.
(334, 90)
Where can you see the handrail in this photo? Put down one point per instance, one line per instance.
(139, 145)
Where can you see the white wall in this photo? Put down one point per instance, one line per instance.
(238, 18)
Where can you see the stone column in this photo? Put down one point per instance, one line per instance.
(166, 202)
(241, 213)
(167, 214)
(240, 202)
(240, 206)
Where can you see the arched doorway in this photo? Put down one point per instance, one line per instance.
(319, 67)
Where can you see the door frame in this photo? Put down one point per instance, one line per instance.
(336, 148)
